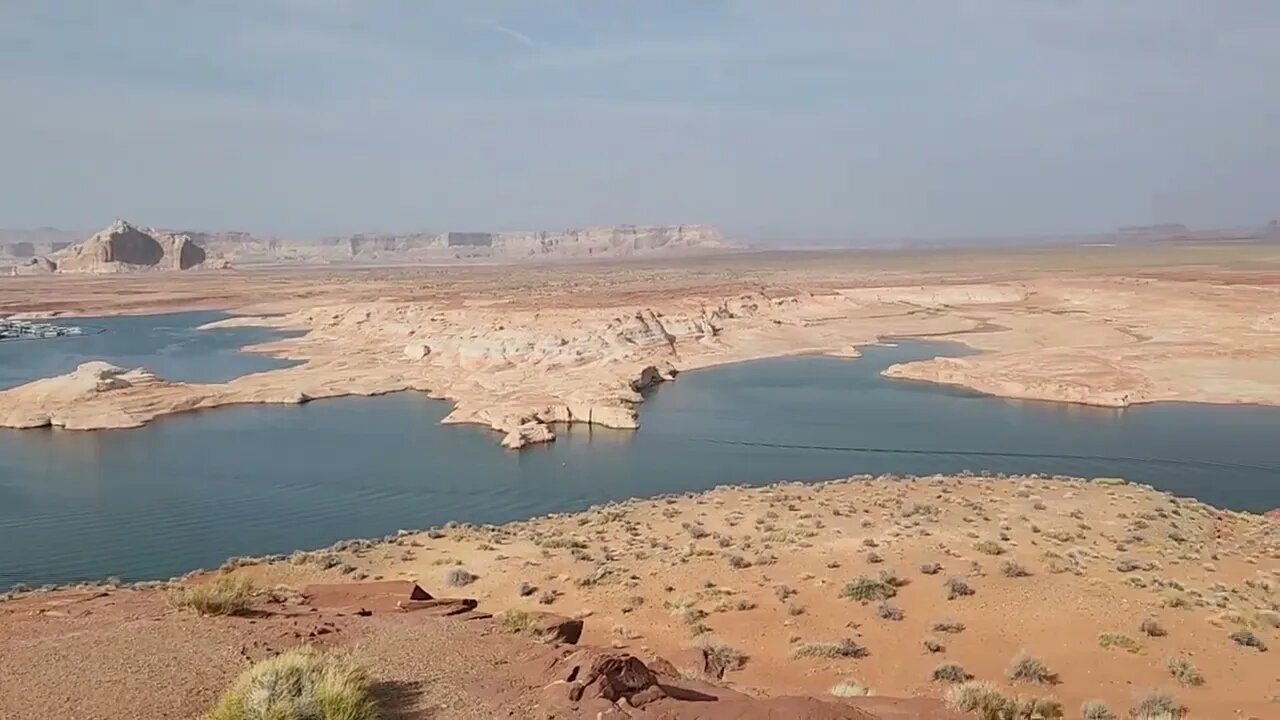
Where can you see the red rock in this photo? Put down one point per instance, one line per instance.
(557, 628)
(381, 596)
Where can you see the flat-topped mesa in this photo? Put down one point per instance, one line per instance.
(121, 247)
(604, 241)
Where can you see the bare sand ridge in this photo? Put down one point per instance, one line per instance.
(519, 350)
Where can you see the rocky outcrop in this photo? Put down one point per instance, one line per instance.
(57, 401)
(125, 248)
(529, 433)
(35, 266)
(180, 251)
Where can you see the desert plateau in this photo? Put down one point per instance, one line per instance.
(862, 598)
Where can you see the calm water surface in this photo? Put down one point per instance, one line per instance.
(190, 490)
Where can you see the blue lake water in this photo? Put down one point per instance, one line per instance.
(190, 490)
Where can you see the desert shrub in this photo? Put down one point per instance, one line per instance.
(989, 547)
(1157, 705)
(864, 589)
(1096, 710)
(561, 543)
(1185, 672)
(948, 626)
(519, 622)
(228, 595)
(849, 688)
(1247, 639)
(989, 704)
(931, 568)
(459, 577)
(738, 562)
(1125, 565)
(1152, 628)
(888, 611)
(893, 579)
(548, 597)
(299, 685)
(845, 648)
(1028, 669)
(1120, 640)
(950, 672)
(525, 589)
(695, 531)
(980, 697)
(1013, 569)
(957, 588)
(718, 655)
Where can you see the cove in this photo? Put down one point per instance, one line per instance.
(190, 490)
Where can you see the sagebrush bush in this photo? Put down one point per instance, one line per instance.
(950, 672)
(1096, 710)
(1245, 638)
(1185, 672)
(720, 656)
(989, 547)
(459, 577)
(299, 685)
(845, 648)
(228, 595)
(889, 611)
(990, 704)
(1120, 640)
(1157, 705)
(1028, 669)
(957, 588)
(864, 589)
(1013, 569)
(1152, 628)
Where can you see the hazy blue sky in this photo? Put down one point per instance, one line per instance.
(782, 120)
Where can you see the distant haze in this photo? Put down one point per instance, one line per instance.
(788, 122)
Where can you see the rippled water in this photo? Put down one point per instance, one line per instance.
(190, 490)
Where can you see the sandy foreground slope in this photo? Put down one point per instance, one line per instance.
(1064, 570)
(520, 349)
(1107, 584)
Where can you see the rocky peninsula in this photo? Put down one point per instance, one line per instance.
(521, 351)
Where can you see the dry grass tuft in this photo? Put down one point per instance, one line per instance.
(228, 595)
(846, 648)
(299, 685)
(849, 688)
